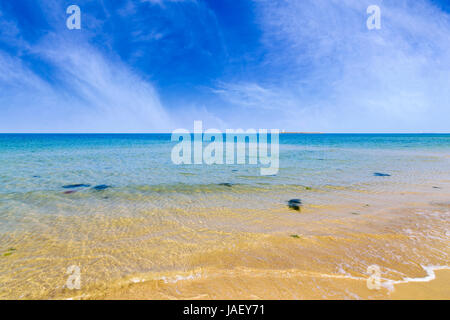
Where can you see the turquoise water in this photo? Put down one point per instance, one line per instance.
(34, 168)
(46, 162)
(149, 208)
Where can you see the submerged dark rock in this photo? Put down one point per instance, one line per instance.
(71, 186)
(101, 187)
(9, 252)
(379, 174)
(226, 184)
(295, 204)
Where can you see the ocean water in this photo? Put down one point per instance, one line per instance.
(152, 220)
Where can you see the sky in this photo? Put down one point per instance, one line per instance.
(158, 65)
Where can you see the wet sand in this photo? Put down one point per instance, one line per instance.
(320, 252)
(281, 288)
(437, 289)
(313, 265)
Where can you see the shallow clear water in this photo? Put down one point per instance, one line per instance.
(157, 217)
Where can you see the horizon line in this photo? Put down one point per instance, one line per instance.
(134, 133)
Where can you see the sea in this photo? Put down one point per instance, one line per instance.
(94, 216)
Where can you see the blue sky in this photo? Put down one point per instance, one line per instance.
(157, 65)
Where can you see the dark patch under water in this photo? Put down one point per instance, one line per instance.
(379, 174)
(80, 185)
(226, 184)
(295, 204)
(101, 187)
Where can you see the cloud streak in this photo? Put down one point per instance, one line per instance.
(89, 91)
(327, 72)
(153, 65)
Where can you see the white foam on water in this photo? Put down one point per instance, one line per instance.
(167, 279)
(137, 280)
(389, 284)
(181, 278)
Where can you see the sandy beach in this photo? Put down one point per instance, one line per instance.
(135, 226)
(219, 149)
(312, 266)
(269, 286)
(437, 289)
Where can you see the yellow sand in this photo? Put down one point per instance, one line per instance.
(273, 285)
(438, 289)
(306, 267)
(230, 254)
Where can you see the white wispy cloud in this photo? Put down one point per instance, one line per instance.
(253, 95)
(89, 90)
(327, 72)
(321, 70)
